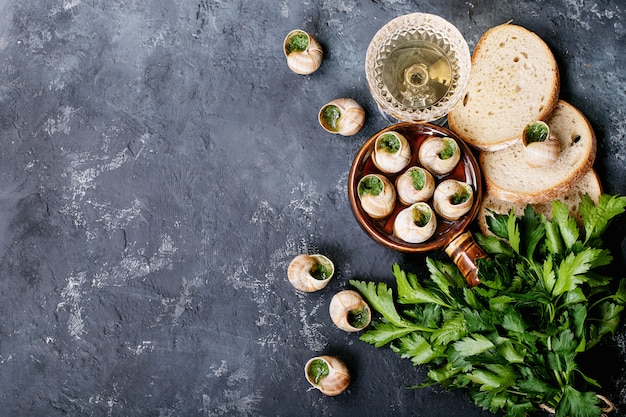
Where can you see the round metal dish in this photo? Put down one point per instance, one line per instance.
(450, 235)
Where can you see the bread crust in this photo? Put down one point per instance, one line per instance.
(459, 117)
(590, 184)
(502, 178)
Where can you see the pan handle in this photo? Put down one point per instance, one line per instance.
(464, 252)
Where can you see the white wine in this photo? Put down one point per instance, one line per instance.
(417, 73)
(417, 67)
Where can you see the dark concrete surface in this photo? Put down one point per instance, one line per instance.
(159, 168)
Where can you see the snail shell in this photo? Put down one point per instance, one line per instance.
(415, 224)
(540, 154)
(329, 374)
(349, 311)
(453, 198)
(304, 61)
(540, 147)
(439, 155)
(377, 195)
(310, 273)
(414, 185)
(392, 152)
(342, 116)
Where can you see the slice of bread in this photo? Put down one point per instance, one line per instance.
(509, 177)
(589, 184)
(514, 80)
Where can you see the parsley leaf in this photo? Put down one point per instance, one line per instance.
(571, 270)
(417, 348)
(576, 403)
(597, 217)
(411, 292)
(567, 225)
(473, 345)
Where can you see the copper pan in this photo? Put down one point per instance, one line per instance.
(452, 236)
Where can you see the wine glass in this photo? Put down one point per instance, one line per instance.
(417, 67)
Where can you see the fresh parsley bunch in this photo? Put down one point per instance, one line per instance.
(513, 340)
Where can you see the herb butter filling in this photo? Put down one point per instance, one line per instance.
(297, 43)
(448, 150)
(331, 116)
(318, 369)
(358, 318)
(370, 185)
(418, 178)
(421, 216)
(389, 143)
(320, 271)
(536, 132)
(460, 196)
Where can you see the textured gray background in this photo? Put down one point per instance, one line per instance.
(159, 168)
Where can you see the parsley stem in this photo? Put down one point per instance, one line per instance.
(517, 392)
(551, 312)
(559, 378)
(601, 300)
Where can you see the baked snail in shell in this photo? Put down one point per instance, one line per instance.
(343, 116)
(304, 54)
(439, 155)
(310, 273)
(377, 195)
(392, 152)
(540, 147)
(414, 185)
(329, 374)
(349, 311)
(452, 199)
(415, 224)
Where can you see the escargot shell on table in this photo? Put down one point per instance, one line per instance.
(342, 116)
(310, 273)
(349, 311)
(304, 54)
(327, 373)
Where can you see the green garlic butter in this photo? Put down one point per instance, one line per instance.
(370, 185)
(317, 370)
(297, 43)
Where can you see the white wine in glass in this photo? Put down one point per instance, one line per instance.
(417, 67)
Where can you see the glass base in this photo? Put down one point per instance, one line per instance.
(442, 121)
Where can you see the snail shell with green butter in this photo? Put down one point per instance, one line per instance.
(439, 155)
(414, 185)
(349, 311)
(540, 147)
(392, 152)
(310, 273)
(453, 198)
(304, 54)
(377, 195)
(342, 116)
(415, 224)
(329, 374)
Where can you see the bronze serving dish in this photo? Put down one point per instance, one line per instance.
(449, 235)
